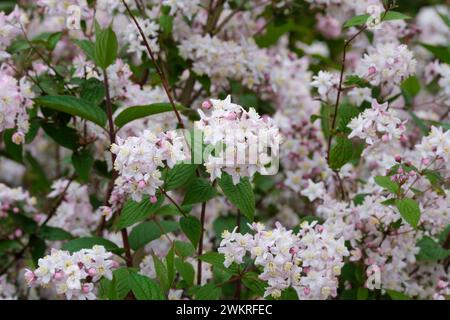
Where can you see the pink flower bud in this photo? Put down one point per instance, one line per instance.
(16, 210)
(18, 233)
(92, 272)
(141, 184)
(153, 199)
(86, 288)
(114, 264)
(398, 158)
(400, 170)
(372, 70)
(232, 116)
(385, 138)
(206, 105)
(426, 161)
(306, 291)
(58, 276)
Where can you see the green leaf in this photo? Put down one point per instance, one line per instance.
(145, 288)
(440, 52)
(241, 195)
(213, 258)
(208, 292)
(362, 19)
(54, 234)
(105, 50)
(161, 273)
(38, 248)
(75, 107)
(362, 294)
(186, 270)
(356, 21)
(394, 15)
(179, 176)
(387, 183)
(192, 228)
(346, 113)
(410, 88)
(199, 190)
(431, 250)
(252, 282)
(65, 136)
(138, 112)
(184, 249)
(273, 33)
(88, 48)
(395, 295)
(93, 90)
(53, 40)
(409, 210)
(133, 212)
(149, 231)
(354, 80)
(88, 243)
(120, 284)
(341, 153)
(170, 263)
(82, 162)
(6, 245)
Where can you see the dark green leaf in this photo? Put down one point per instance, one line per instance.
(149, 231)
(133, 212)
(199, 190)
(82, 162)
(409, 210)
(145, 288)
(137, 112)
(341, 153)
(75, 107)
(179, 176)
(241, 195)
(88, 243)
(105, 50)
(387, 183)
(192, 229)
(431, 250)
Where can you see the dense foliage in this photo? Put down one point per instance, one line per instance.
(212, 149)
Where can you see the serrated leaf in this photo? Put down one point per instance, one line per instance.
(341, 153)
(409, 210)
(54, 234)
(82, 163)
(199, 190)
(241, 195)
(138, 112)
(179, 176)
(161, 273)
(105, 50)
(208, 292)
(431, 250)
(145, 288)
(134, 212)
(192, 228)
(186, 270)
(88, 48)
(75, 107)
(93, 90)
(387, 183)
(183, 249)
(252, 282)
(88, 243)
(149, 231)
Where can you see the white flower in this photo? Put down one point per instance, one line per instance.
(314, 190)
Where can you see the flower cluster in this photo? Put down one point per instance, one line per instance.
(377, 124)
(14, 200)
(387, 64)
(309, 261)
(139, 161)
(223, 60)
(436, 146)
(240, 138)
(73, 275)
(15, 100)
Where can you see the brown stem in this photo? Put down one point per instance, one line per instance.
(158, 69)
(200, 245)
(237, 293)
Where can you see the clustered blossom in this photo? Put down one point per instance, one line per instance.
(139, 161)
(73, 275)
(377, 124)
(436, 146)
(75, 213)
(387, 64)
(14, 200)
(309, 261)
(15, 100)
(222, 60)
(242, 138)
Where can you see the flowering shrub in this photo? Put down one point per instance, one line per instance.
(214, 149)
